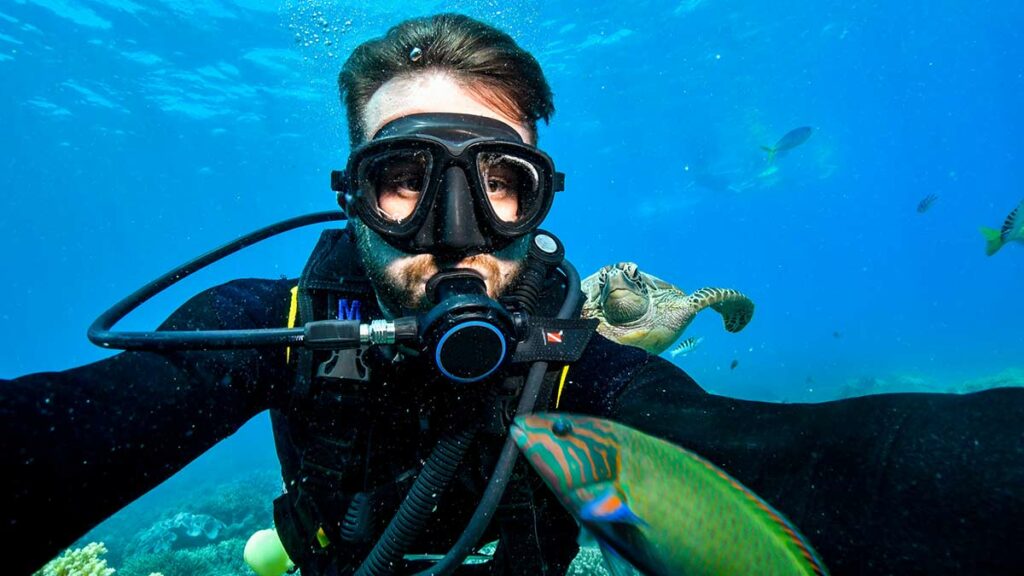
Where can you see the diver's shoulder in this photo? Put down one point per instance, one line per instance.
(256, 293)
(247, 288)
(602, 351)
(240, 303)
(608, 369)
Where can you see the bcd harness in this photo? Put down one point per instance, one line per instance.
(361, 420)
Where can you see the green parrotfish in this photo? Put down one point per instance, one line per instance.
(655, 507)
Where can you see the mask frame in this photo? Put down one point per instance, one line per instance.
(453, 212)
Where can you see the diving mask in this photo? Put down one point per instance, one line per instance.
(448, 183)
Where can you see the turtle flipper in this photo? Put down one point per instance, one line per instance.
(735, 308)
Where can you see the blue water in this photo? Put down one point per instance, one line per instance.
(140, 133)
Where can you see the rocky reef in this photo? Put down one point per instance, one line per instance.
(866, 385)
(207, 535)
(223, 558)
(181, 536)
(183, 530)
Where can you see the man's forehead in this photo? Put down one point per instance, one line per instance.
(428, 92)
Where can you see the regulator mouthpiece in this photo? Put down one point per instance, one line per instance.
(469, 333)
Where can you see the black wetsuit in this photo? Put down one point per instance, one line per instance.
(887, 484)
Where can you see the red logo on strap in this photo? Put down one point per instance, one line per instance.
(553, 337)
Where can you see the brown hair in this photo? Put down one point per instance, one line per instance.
(486, 60)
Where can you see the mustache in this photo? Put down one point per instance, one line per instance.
(426, 265)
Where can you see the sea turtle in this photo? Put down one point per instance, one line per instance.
(641, 310)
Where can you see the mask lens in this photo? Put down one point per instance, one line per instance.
(511, 184)
(394, 182)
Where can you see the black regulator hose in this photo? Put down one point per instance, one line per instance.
(100, 332)
(503, 470)
(419, 503)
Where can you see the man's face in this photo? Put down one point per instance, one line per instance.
(399, 278)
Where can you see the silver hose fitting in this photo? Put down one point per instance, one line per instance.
(377, 332)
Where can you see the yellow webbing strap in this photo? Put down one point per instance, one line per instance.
(293, 314)
(561, 384)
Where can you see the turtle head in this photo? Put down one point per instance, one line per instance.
(625, 294)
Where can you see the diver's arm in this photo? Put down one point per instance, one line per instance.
(79, 445)
(885, 484)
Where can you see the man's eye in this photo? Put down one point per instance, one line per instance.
(404, 184)
(503, 183)
(497, 186)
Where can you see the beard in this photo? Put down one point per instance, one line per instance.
(399, 278)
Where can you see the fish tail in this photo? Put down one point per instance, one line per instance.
(771, 153)
(993, 238)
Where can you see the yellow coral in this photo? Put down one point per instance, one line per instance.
(79, 562)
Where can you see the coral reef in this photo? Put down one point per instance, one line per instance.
(233, 510)
(183, 530)
(244, 505)
(220, 559)
(206, 535)
(83, 561)
(588, 562)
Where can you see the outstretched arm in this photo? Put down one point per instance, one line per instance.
(885, 484)
(76, 446)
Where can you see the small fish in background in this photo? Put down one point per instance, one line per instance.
(926, 203)
(789, 140)
(655, 507)
(734, 364)
(686, 346)
(768, 172)
(837, 334)
(1012, 231)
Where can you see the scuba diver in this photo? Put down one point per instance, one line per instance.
(393, 367)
